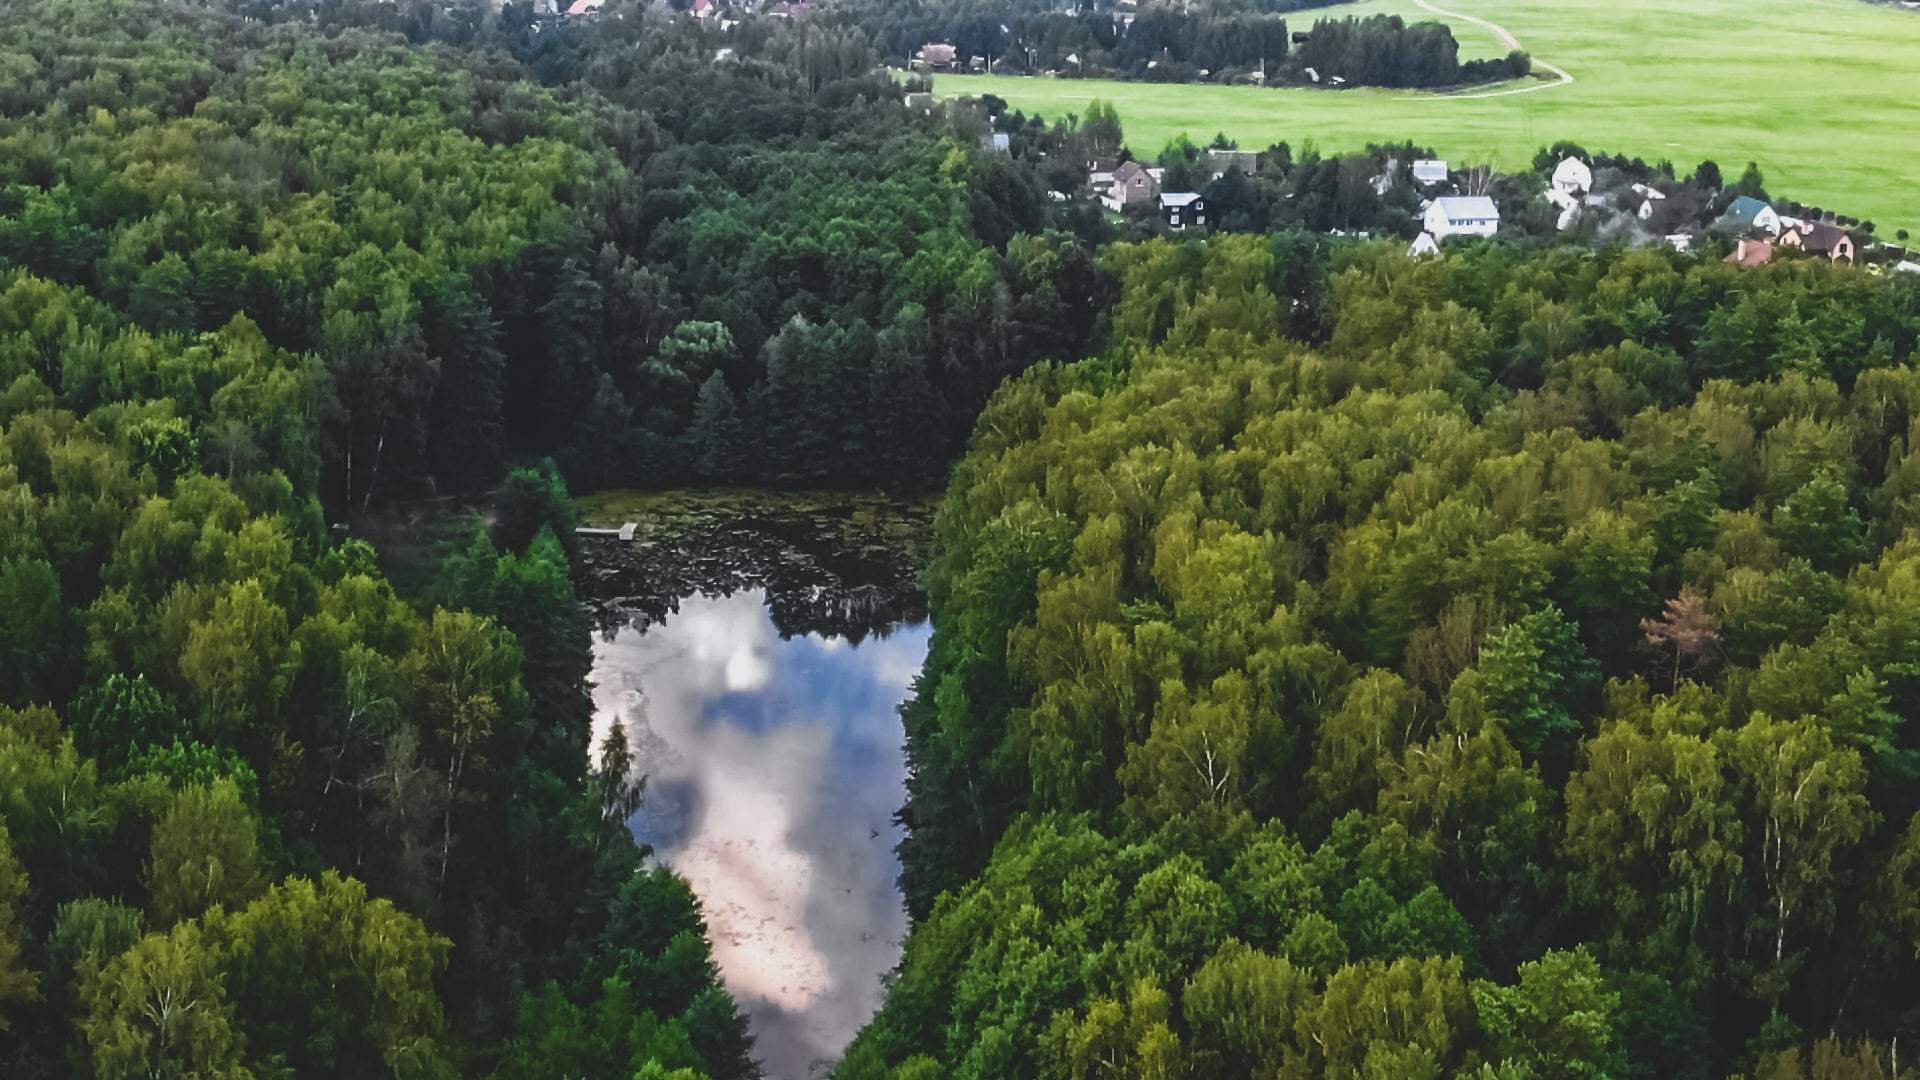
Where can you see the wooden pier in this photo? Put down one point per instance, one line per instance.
(624, 533)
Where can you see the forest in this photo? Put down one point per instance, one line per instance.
(1494, 665)
(606, 261)
(1505, 675)
(263, 811)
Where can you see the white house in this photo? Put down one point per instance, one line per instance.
(1423, 245)
(1462, 215)
(1681, 242)
(1650, 199)
(1572, 175)
(1569, 204)
(1429, 171)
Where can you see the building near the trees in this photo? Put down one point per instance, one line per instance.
(1462, 215)
(1183, 210)
(1132, 184)
(1819, 238)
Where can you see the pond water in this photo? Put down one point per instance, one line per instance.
(774, 769)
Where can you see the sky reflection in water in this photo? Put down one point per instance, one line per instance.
(774, 769)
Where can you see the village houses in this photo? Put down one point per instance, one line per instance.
(935, 56)
(1747, 214)
(1819, 238)
(1183, 210)
(1429, 171)
(1573, 177)
(1462, 215)
(1750, 253)
(1221, 162)
(1650, 199)
(1132, 184)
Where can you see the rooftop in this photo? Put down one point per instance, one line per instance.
(1467, 207)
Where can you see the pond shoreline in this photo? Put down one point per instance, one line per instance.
(840, 564)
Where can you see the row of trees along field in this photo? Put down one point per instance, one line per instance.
(1512, 681)
(262, 813)
(1166, 43)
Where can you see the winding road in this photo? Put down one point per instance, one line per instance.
(1511, 42)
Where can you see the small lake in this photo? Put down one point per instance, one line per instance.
(757, 646)
(774, 768)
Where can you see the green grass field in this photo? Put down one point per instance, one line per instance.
(1824, 94)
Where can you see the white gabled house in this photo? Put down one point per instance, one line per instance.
(1569, 206)
(1423, 245)
(1462, 215)
(1572, 176)
(1650, 199)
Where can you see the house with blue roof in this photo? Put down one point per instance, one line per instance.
(1749, 215)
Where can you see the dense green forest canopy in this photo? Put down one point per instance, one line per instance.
(1494, 665)
(653, 269)
(1511, 681)
(261, 813)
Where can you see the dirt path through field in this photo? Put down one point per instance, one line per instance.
(1506, 37)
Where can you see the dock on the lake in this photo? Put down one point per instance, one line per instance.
(624, 533)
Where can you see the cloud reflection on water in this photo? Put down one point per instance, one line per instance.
(774, 770)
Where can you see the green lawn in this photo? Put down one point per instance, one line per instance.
(1825, 94)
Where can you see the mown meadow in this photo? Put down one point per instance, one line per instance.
(1820, 93)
